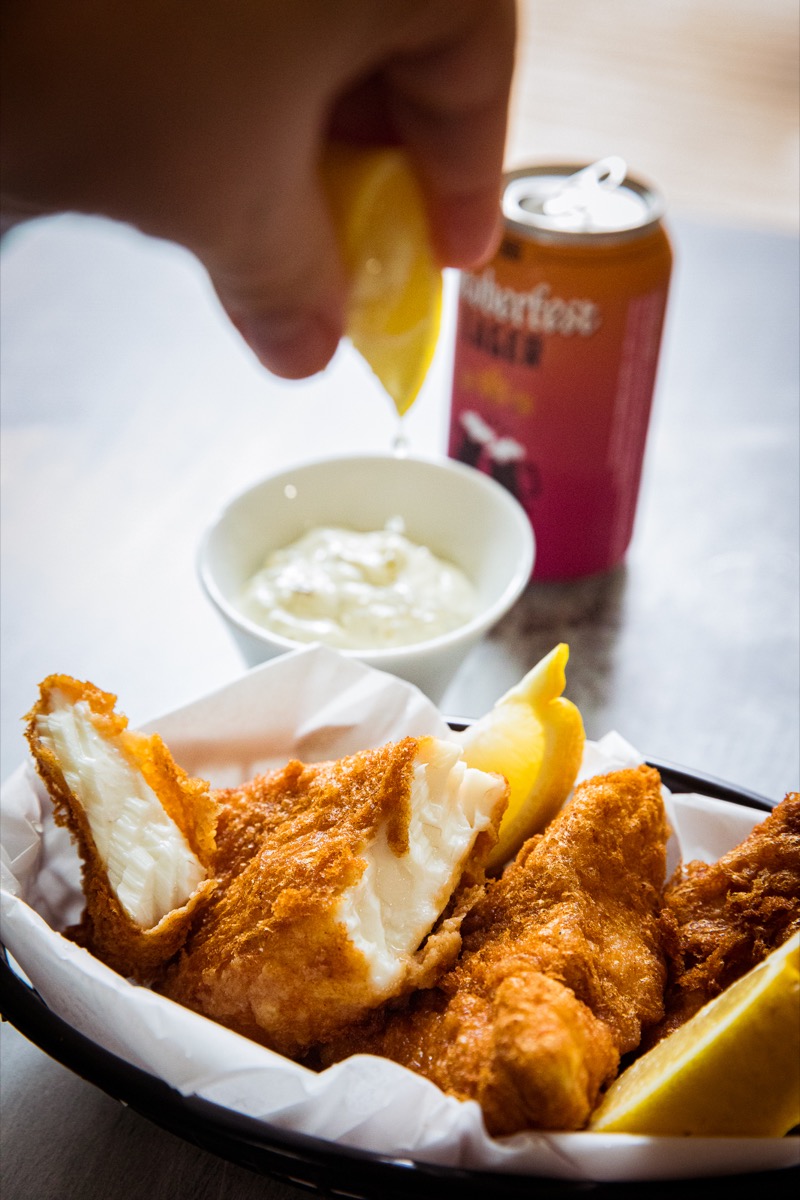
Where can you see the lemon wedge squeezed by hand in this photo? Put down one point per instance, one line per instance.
(732, 1070)
(395, 305)
(534, 736)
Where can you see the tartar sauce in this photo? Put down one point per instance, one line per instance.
(358, 591)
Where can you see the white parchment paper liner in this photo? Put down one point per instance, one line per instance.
(315, 704)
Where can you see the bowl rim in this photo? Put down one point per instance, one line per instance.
(470, 630)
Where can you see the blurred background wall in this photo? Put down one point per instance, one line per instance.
(701, 97)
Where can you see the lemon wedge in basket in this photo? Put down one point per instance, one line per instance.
(395, 306)
(732, 1070)
(534, 736)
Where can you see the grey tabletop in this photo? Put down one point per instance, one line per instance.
(131, 412)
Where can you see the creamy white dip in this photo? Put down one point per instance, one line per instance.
(358, 591)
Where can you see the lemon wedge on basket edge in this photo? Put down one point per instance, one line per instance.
(535, 737)
(395, 306)
(732, 1070)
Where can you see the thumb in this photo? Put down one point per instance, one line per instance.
(280, 279)
(451, 107)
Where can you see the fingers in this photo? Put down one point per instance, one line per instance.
(279, 276)
(450, 106)
(440, 85)
(442, 88)
(293, 345)
(210, 132)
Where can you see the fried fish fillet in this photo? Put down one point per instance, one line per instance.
(720, 919)
(145, 831)
(560, 969)
(341, 885)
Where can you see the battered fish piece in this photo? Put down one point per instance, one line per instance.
(341, 885)
(561, 967)
(721, 919)
(144, 829)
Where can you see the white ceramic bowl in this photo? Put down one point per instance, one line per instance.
(458, 512)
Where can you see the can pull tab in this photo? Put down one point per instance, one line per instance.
(578, 192)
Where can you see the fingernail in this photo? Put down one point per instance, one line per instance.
(472, 232)
(292, 346)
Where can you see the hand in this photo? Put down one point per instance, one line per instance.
(204, 121)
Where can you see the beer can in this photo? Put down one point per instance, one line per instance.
(557, 344)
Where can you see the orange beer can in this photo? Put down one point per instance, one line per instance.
(557, 345)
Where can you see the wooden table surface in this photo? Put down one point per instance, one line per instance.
(131, 412)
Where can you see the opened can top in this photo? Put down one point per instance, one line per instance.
(577, 203)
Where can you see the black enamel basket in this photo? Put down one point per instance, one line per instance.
(324, 1167)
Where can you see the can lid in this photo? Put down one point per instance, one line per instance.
(568, 201)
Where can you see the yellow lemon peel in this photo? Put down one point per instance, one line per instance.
(395, 304)
(535, 737)
(732, 1070)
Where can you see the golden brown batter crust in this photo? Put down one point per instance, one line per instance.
(271, 958)
(561, 967)
(105, 928)
(721, 919)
